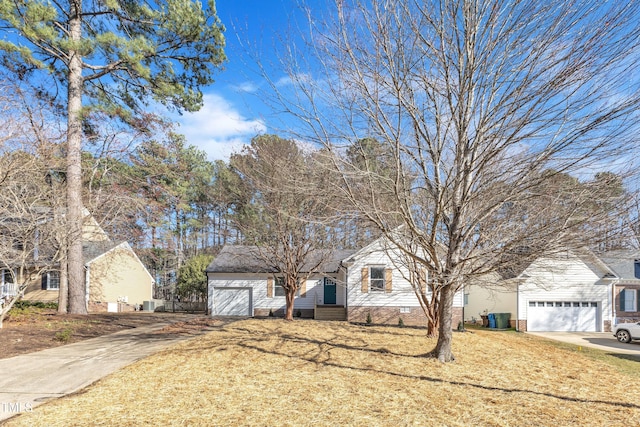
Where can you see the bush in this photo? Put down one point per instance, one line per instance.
(64, 335)
(21, 305)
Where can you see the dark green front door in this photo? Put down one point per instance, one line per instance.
(329, 291)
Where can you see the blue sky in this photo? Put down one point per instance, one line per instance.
(232, 112)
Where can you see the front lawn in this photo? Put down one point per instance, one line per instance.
(270, 372)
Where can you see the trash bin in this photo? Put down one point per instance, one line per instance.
(485, 320)
(492, 320)
(503, 320)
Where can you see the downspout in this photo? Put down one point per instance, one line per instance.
(86, 284)
(518, 306)
(614, 320)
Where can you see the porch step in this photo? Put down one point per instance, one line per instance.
(330, 313)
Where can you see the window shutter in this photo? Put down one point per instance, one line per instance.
(365, 280)
(621, 297)
(303, 289)
(269, 287)
(387, 280)
(43, 283)
(638, 300)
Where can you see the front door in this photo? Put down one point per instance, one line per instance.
(329, 291)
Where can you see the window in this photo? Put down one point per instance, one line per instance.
(405, 310)
(636, 268)
(628, 301)
(279, 291)
(7, 286)
(377, 278)
(7, 277)
(51, 280)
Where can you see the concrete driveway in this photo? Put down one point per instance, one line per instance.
(31, 379)
(601, 340)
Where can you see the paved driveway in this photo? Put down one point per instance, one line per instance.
(600, 340)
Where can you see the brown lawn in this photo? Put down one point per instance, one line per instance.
(303, 373)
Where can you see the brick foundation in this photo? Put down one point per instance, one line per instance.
(305, 313)
(392, 316)
(522, 325)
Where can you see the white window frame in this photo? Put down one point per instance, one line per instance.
(380, 281)
(630, 303)
(8, 288)
(277, 284)
(52, 274)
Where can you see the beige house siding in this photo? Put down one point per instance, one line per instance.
(118, 275)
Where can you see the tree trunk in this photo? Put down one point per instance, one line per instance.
(63, 292)
(77, 292)
(433, 321)
(288, 313)
(443, 347)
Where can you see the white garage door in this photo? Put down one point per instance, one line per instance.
(572, 316)
(232, 301)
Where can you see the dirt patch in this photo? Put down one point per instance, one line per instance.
(39, 329)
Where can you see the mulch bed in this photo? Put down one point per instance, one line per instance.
(39, 329)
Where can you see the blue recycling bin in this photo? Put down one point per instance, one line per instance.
(492, 320)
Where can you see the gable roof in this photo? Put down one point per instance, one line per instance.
(622, 263)
(247, 259)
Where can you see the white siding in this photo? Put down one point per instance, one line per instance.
(402, 293)
(563, 279)
(490, 296)
(258, 282)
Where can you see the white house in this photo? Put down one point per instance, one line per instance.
(569, 291)
(370, 283)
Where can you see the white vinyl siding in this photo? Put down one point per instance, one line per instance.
(557, 283)
(258, 284)
(402, 293)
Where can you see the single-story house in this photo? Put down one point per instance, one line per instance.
(569, 291)
(115, 278)
(350, 285)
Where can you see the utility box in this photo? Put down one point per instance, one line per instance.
(148, 305)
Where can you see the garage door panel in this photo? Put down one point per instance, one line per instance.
(581, 318)
(232, 301)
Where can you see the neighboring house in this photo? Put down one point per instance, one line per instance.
(490, 295)
(116, 279)
(371, 282)
(625, 266)
(571, 291)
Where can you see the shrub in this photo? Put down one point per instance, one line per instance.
(63, 336)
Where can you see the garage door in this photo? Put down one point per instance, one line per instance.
(571, 316)
(232, 301)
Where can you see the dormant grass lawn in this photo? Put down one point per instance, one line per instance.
(302, 373)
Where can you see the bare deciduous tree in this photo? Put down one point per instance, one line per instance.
(483, 106)
(284, 217)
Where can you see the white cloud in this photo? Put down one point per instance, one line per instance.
(246, 87)
(219, 128)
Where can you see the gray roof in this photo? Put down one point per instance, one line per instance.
(92, 250)
(621, 262)
(247, 259)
